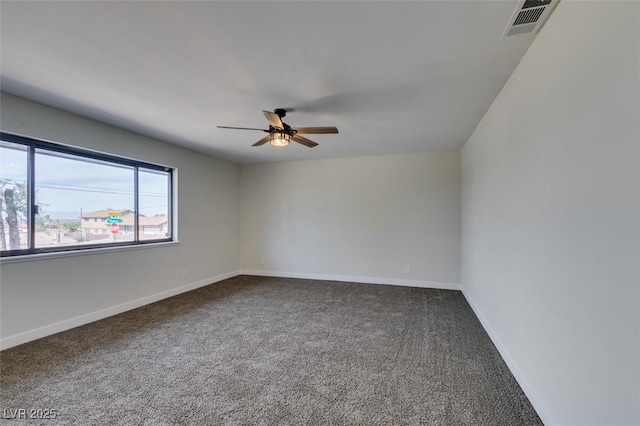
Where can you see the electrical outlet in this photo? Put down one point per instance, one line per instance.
(185, 274)
(407, 269)
(262, 261)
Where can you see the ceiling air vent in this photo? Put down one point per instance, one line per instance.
(529, 16)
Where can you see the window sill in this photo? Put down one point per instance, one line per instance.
(74, 253)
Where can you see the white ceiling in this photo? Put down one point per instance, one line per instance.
(394, 77)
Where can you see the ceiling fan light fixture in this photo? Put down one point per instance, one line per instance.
(281, 134)
(280, 139)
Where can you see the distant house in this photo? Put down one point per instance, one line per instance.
(149, 225)
(95, 223)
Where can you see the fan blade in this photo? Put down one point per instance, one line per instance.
(273, 119)
(304, 141)
(315, 130)
(241, 128)
(262, 141)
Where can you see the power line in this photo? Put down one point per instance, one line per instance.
(77, 188)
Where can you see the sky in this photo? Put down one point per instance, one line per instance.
(67, 186)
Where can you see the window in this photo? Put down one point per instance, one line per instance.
(54, 198)
(13, 196)
(153, 203)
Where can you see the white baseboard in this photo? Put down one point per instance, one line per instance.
(352, 279)
(38, 333)
(534, 397)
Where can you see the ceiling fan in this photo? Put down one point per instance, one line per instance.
(280, 133)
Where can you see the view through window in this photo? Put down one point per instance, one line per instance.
(76, 199)
(14, 232)
(153, 203)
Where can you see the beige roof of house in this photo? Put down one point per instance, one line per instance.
(153, 220)
(127, 219)
(104, 213)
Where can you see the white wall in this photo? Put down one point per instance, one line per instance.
(42, 293)
(551, 217)
(355, 217)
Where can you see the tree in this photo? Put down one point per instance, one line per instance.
(12, 219)
(72, 226)
(14, 205)
(3, 238)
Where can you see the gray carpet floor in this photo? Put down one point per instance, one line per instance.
(273, 351)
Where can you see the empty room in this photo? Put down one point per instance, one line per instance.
(320, 212)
